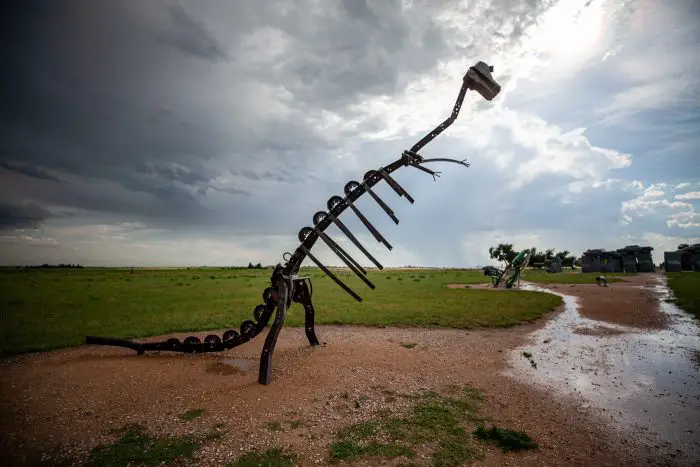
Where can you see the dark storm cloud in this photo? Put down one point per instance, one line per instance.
(356, 49)
(175, 173)
(29, 171)
(17, 216)
(109, 95)
(192, 36)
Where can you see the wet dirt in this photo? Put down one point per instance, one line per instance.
(632, 302)
(640, 380)
(485, 286)
(695, 357)
(596, 330)
(229, 367)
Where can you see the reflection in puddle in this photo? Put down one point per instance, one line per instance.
(229, 367)
(640, 378)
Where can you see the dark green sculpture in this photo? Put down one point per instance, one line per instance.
(510, 276)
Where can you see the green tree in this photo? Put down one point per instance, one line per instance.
(537, 258)
(549, 255)
(503, 252)
(567, 260)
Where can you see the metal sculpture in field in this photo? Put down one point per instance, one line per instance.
(510, 276)
(285, 284)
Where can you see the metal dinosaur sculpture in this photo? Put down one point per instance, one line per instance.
(508, 277)
(286, 286)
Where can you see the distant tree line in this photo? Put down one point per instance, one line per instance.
(538, 259)
(80, 266)
(52, 266)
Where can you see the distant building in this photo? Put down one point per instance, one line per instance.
(632, 258)
(686, 259)
(695, 256)
(554, 265)
(645, 263)
(611, 261)
(629, 257)
(672, 261)
(591, 260)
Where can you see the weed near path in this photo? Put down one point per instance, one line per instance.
(439, 425)
(136, 447)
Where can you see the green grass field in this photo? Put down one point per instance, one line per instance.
(45, 309)
(686, 288)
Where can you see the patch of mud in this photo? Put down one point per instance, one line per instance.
(475, 286)
(642, 381)
(598, 330)
(695, 357)
(630, 303)
(229, 366)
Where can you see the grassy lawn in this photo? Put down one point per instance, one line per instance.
(686, 288)
(44, 309)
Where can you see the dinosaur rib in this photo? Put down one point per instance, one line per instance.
(394, 185)
(286, 286)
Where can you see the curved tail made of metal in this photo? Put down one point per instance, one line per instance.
(286, 286)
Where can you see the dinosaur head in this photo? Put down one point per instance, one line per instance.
(480, 80)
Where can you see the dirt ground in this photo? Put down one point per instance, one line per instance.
(628, 303)
(66, 401)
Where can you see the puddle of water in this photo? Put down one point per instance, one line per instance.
(229, 367)
(643, 378)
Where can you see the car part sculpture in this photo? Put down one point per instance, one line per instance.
(509, 276)
(286, 285)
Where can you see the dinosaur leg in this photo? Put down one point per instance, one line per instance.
(303, 295)
(284, 292)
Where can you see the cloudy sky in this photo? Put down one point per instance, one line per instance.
(167, 133)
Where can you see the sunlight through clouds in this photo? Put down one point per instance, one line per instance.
(571, 30)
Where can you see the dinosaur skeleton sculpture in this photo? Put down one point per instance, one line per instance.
(509, 276)
(286, 285)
